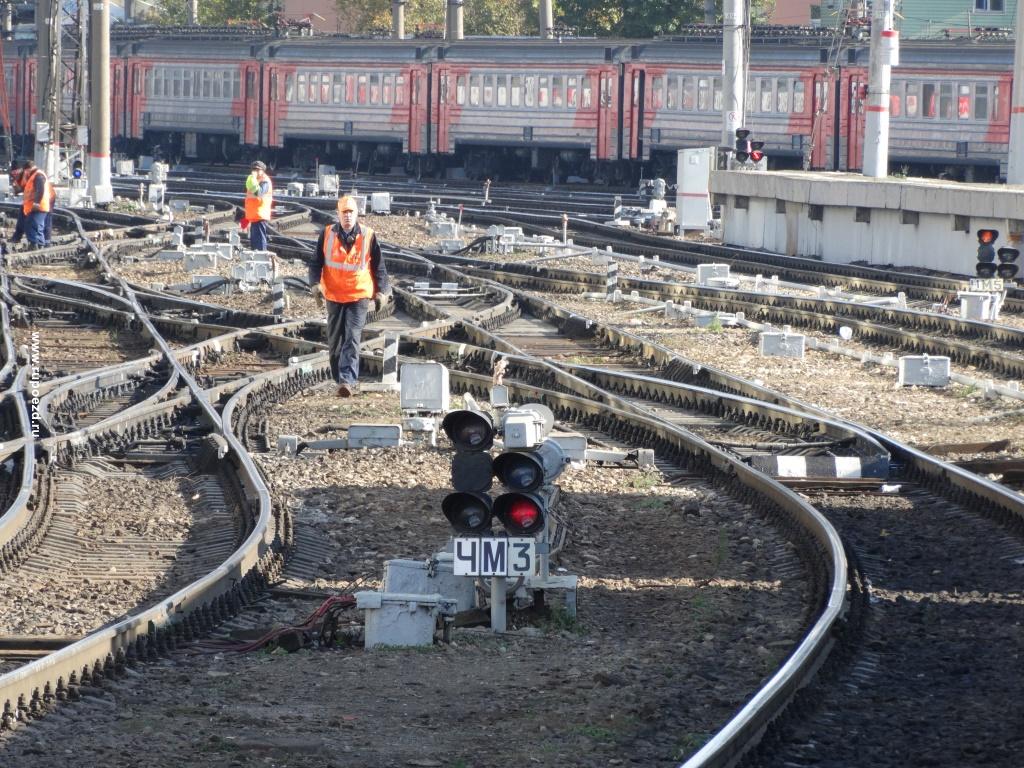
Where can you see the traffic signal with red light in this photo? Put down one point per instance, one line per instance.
(986, 252)
(756, 151)
(1007, 268)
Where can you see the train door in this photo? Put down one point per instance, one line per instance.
(251, 104)
(276, 104)
(823, 122)
(855, 97)
(420, 107)
(607, 98)
(136, 98)
(632, 110)
(441, 108)
(117, 98)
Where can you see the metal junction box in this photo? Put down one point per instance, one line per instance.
(424, 387)
(782, 345)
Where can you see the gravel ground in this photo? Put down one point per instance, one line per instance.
(52, 596)
(864, 393)
(654, 662)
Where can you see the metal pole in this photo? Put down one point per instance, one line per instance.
(547, 20)
(48, 77)
(193, 12)
(709, 12)
(734, 78)
(129, 10)
(498, 587)
(398, 19)
(99, 102)
(1015, 169)
(884, 42)
(455, 20)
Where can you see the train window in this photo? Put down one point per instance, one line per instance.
(460, 90)
(502, 85)
(250, 84)
(206, 86)
(896, 98)
(557, 95)
(655, 94)
(672, 92)
(606, 91)
(474, 90)
(361, 89)
(289, 87)
(912, 104)
(399, 89)
(782, 96)
(218, 85)
(416, 85)
(375, 89)
(716, 85)
(442, 83)
(989, 5)
(350, 89)
(946, 101)
(325, 88)
(929, 105)
(515, 96)
(766, 94)
(688, 93)
(314, 87)
(980, 102)
(572, 92)
(751, 100)
(587, 92)
(176, 83)
(529, 90)
(273, 86)
(236, 84)
(337, 86)
(703, 94)
(963, 102)
(798, 97)
(388, 90)
(301, 89)
(488, 90)
(542, 92)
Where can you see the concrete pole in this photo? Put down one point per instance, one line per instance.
(455, 19)
(98, 167)
(734, 77)
(547, 19)
(398, 19)
(876, 123)
(709, 12)
(48, 75)
(1015, 170)
(193, 12)
(129, 10)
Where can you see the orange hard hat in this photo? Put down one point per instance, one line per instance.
(347, 202)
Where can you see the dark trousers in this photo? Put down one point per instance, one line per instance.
(19, 227)
(258, 235)
(35, 228)
(344, 331)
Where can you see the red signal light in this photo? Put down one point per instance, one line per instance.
(523, 513)
(988, 236)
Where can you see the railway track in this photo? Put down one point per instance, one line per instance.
(221, 389)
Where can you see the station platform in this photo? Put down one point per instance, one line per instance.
(845, 217)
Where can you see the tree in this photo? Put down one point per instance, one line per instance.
(482, 17)
(642, 18)
(212, 12)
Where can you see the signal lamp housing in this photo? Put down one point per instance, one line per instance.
(469, 430)
(522, 514)
(468, 512)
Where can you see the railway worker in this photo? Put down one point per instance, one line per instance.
(348, 270)
(259, 201)
(36, 202)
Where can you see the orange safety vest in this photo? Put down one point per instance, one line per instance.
(346, 276)
(259, 208)
(30, 194)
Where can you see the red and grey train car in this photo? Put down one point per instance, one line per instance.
(592, 108)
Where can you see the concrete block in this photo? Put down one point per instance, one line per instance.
(193, 260)
(707, 271)
(312, 189)
(452, 245)
(426, 577)
(444, 229)
(374, 435)
(294, 189)
(773, 344)
(923, 371)
(329, 183)
(401, 619)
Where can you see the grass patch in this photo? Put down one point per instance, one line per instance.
(560, 620)
(598, 733)
(645, 481)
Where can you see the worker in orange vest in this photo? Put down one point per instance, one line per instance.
(259, 201)
(348, 270)
(36, 202)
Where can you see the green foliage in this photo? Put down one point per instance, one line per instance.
(481, 17)
(645, 480)
(212, 12)
(643, 18)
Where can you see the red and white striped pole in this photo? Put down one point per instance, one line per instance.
(884, 55)
(1015, 169)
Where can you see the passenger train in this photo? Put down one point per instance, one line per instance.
(596, 110)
